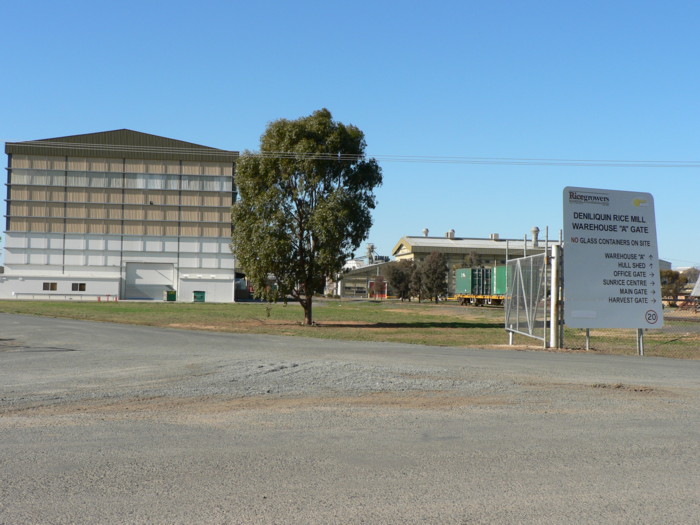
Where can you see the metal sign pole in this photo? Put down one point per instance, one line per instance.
(640, 341)
(554, 299)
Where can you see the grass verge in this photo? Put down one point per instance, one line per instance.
(445, 324)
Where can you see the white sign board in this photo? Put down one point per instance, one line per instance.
(611, 263)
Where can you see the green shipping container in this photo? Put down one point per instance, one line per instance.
(463, 281)
(499, 281)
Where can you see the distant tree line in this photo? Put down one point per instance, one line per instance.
(420, 279)
(673, 282)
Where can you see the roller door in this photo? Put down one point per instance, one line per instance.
(148, 280)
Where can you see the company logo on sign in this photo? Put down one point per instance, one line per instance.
(579, 197)
(640, 202)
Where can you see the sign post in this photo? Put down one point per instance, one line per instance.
(611, 263)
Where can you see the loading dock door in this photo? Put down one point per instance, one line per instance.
(148, 280)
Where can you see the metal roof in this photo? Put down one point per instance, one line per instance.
(464, 244)
(121, 143)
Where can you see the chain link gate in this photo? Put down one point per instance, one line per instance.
(527, 294)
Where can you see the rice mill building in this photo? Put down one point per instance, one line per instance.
(118, 214)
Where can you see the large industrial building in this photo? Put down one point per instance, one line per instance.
(118, 214)
(490, 252)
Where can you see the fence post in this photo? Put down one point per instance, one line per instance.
(554, 299)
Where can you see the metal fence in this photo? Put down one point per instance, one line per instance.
(526, 301)
(533, 310)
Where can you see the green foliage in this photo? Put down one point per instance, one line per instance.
(302, 213)
(399, 276)
(434, 278)
(471, 260)
(416, 283)
(672, 283)
(691, 275)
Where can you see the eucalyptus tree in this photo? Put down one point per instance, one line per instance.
(399, 275)
(305, 206)
(434, 278)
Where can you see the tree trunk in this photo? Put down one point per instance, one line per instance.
(308, 314)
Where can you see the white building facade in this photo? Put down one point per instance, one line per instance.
(118, 215)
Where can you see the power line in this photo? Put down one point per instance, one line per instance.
(502, 161)
(421, 159)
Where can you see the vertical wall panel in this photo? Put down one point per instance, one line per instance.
(134, 197)
(115, 165)
(190, 214)
(157, 198)
(97, 195)
(97, 227)
(134, 213)
(21, 162)
(39, 226)
(57, 195)
(209, 230)
(18, 224)
(189, 199)
(97, 165)
(133, 228)
(39, 163)
(38, 210)
(56, 209)
(172, 167)
(57, 163)
(114, 196)
(37, 194)
(57, 226)
(212, 169)
(20, 193)
(154, 213)
(210, 199)
(76, 195)
(18, 208)
(155, 166)
(114, 228)
(189, 230)
(135, 166)
(77, 164)
(210, 216)
(75, 226)
(154, 229)
(191, 168)
(97, 212)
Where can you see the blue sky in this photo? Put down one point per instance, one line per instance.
(502, 79)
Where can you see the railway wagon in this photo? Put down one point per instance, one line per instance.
(480, 286)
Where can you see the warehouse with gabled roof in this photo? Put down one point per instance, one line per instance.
(462, 252)
(118, 214)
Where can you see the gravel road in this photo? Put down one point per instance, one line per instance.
(106, 423)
